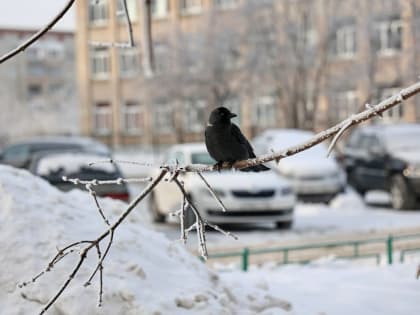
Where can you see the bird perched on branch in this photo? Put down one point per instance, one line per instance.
(225, 141)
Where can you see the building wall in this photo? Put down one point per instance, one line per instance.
(38, 95)
(309, 84)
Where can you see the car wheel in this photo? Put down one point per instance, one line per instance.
(284, 225)
(157, 216)
(401, 195)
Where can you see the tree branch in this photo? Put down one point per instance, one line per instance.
(38, 34)
(318, 138)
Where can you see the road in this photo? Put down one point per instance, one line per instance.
(347, 217)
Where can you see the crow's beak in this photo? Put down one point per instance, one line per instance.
(232, 115)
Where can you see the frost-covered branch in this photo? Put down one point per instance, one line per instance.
(93, 244)
(353, 120)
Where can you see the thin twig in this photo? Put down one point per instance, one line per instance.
(95, 243)
(199, 221)
(38, 34)
(128, 21)
(95, 182)
(213, 193)
(337, 136)
(98, 206)
(124, 162)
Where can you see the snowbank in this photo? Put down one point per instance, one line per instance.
(333, 288)
(144, 273)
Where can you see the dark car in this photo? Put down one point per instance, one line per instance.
(52, 166)
(385, 157)
(20, 154)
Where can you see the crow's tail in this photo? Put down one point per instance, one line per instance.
(256, 168)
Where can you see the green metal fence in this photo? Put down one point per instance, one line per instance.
(389, 243)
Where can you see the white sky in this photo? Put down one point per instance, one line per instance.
(34, 14)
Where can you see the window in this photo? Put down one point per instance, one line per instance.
(234, 105)
(345, 44)
(265, 112)
(100, 63)
(129, 62)
(395, 113)
(195, 116)
(102, 118)
(98, 12)
(163, 118)
(191, 6)
(34, 90)
(133, 116)
(226, 4)
(388, 36)
(345, 103)
(16, 154)
(159, 8)
(131, 8)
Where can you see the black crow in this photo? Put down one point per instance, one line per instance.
(225, 141)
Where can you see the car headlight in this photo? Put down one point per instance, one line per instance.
(412, 171)
(334, 174)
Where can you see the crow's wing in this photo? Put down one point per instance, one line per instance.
(237, 134)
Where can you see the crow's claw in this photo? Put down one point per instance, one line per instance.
(218, 166)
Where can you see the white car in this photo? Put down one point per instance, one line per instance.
(248, 196)
(313, 176)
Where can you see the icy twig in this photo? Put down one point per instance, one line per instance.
(123, 162)
(338, 135)
(95, 244)
(368, 106)
(213, 193)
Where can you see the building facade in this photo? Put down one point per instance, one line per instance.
(38, 91)
(292, 63)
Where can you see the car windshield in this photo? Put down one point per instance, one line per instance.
(202, 158)
(403, 141)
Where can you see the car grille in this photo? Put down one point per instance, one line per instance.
(245, 213)
(253, 194)
(312, 177)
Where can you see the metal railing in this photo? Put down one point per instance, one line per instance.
(388, 243)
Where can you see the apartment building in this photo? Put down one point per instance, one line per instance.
(38, 91)
(298, 63)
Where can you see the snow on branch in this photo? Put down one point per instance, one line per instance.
(38, 34)
(353, 120)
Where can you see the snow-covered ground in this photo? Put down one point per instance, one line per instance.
(146, 273)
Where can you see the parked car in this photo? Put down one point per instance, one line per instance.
(385, 157)
(313, 176)
(19, 154)
(52, 166)
(249, 197)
